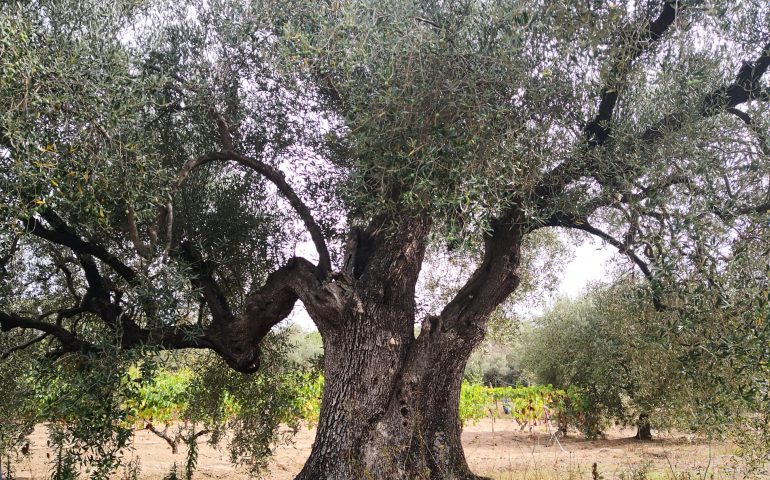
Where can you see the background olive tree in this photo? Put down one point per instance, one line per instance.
(695, 367)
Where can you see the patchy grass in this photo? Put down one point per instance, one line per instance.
(497, 449)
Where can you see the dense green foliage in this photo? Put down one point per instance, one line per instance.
(93, 405)
(695, 368)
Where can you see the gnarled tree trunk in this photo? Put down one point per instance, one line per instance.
(390, 402)
(390, 407)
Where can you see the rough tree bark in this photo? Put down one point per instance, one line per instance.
(390, 402)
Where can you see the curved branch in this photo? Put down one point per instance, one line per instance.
(582, 224)
(494, 279)
(70, 342)
(61, 264)
(238, 341)
(277, 178)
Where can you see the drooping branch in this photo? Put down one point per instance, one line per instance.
(273, 175)
(623, 247)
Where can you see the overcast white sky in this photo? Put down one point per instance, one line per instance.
(589, 263)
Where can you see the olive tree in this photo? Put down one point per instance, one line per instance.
(613, 346)
(160, 162)
(696, 366)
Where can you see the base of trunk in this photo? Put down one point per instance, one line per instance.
(391, 415)
(643, 428)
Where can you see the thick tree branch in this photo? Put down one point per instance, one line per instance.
(204, 280)
(744, 88)
(70, 342)
(133, 234)
(6, 258)
(598, 130)
(169, 338)
(238, 341)
(235, 339)
(223, 129)
(66, 236)
(97, 297)
(494, 279)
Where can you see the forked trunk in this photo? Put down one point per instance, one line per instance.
(390, 407)
(390, 402)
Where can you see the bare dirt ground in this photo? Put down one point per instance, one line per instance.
(497, 449)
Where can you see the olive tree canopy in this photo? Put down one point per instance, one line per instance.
(160, 160)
